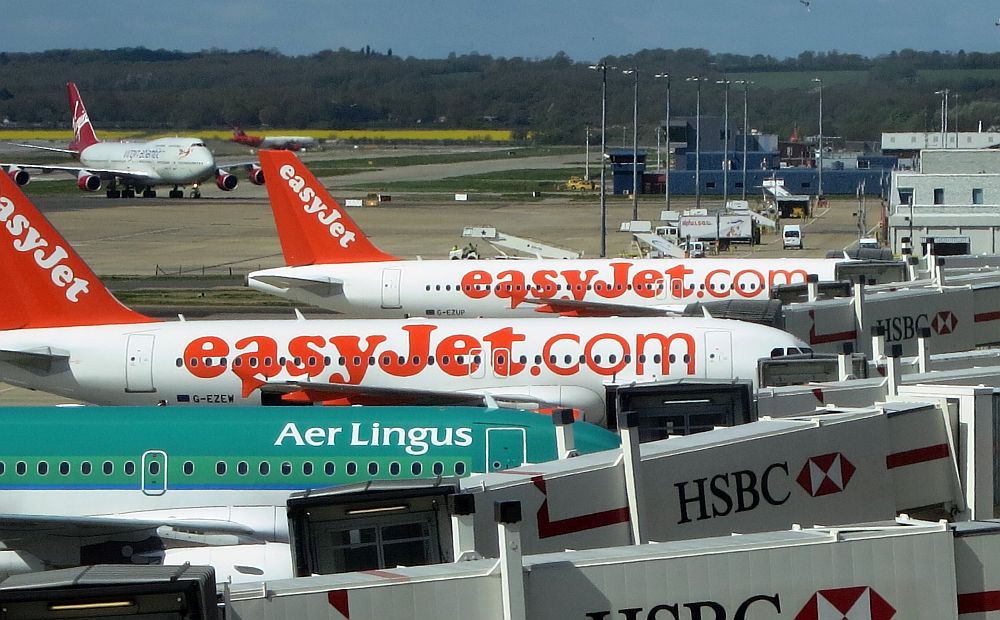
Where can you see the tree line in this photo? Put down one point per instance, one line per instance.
(550, 100)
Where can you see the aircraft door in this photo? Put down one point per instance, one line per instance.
(477, 363)
(501, 362)
(718, 355)
(154, 472)
(390, 288)
(505, 448)
(139, 363)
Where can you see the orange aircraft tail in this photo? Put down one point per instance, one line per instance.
(48, 284)
(83, 131)
(312, 227)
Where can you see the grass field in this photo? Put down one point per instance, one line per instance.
(363, 135)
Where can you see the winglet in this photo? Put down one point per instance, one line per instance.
(83, 131)
(48, 284)
(312, 227)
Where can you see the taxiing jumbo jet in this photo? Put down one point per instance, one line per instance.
(332, 264)
(134, 167)
(285, 143)
(151, 485)
(63, 332)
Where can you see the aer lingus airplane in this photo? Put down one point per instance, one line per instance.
(169, 485)
(134, 167)
(332, 264)
(63, 332)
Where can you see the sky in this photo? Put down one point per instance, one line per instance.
(585, 30)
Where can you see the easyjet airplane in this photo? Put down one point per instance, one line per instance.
(332, 264)
(134, 167)
(63, 332)
(168, 485)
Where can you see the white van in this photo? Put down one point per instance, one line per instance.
(791, 236)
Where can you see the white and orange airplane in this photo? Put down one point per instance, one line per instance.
(134, 167)
(63, 332)
(332, 264)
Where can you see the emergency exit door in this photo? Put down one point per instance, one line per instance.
(505, 448)
(139, 363)
(718, 355)
(390, 288)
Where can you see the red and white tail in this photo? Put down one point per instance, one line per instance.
(83, 131)
(312, 227)
(47, 283)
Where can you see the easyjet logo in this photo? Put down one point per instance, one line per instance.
(313, 204)
(426, 351)
(25, 238)
(626, 279)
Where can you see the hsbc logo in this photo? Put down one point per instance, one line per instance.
(745, 490)
(944, 322)
(825, 475)
(899, 328)
(857, 603)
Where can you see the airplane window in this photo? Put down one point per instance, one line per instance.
(208, 361)
(394, 469)
(445, 360)
(459, 359)
(3, 468)
(777, 352)
(220, 468)
(430, 360)
(416, 359)
(500, 359)
(627, 359)
(86, 468)
(805, 349)
(629, 287)
(188, 468)
(307, 468)
(642, 358)
(179, 362)
(312, 360)
(297, 361)
(198, 144)
(447, 287)
(523, 359)
(371, 361)
(63, 468)
(538, 359)
(612, 358)
(286, 468)
(253, 362)
(568, 358)
(416, 468)
(108, 468)
(352, 468)
(327, 360)
(656, 358)
(476, 359)
(264, 468)
(242, 468)
(460, 468)
(438, 468)
(267, 361)
(222, 361)
(43, 468)
(402, 360)
(686, 358)
(552, 359)
(281, 361)
(672, 358)
(437, 287)
(129, 468)
(329, 469)
(386, 360)
(427, 288)
(237, 362)
(194, 362)
(372, 468)
(21, 468)
(154, 468)
(597, 359)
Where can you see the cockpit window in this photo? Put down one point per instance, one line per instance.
(198, 144)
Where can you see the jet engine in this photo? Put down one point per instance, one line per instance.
(256, 175)
(88, 182)
(20, 177)
(225, 181)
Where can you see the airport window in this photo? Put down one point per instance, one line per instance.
(416, 468)
(460, 468)
(21, 468)
(438, 468)
(242, 468)
(805, 185)
(352, 468)
(129, 468)
(108, 468)
(188, 468)
(264, 468)
(394, 469)
(739, 185)
(307, 468)
(220, 468)
(977, 196)
(939, 195)
(710, 184)
(329, 468)
(43, 468)
(86, 468)
(154, 468)
(286, 468)
(372, 468)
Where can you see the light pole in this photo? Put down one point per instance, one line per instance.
(746, 86)
(697, 141)
(819, 190)
(603, 68)
(725, 146)
(666, 174)
(586, 159)
(944, 115)
(635, 141)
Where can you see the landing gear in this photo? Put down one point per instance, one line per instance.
(113, 193)
(128, 193)
(176, 192)
(195, 191)
(149, 192)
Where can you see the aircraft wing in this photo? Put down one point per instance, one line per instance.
(573, 307)
(14, 526)
(341, 393)
(323, 286)
(44, 148)
(104, 173)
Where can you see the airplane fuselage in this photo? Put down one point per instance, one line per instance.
(554, 360)
(167, 161)
(497, 288)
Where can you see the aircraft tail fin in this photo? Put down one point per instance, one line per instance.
(83, 131)
(48, 283)
(312, 227)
